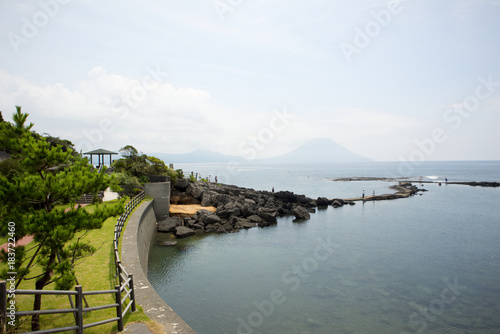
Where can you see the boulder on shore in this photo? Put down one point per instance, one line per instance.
(183, 231)
(301, 213)
(322, 201)
(169, 224)
(181, 184)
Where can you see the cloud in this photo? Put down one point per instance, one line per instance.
(110, 110)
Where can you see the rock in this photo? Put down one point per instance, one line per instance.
(303, 199)
(194, 191)
(212, 227)
(207, 199)
(212, 219)
(169, 224)
(240, 223)
(183, 231)
(220, 199)
(225, 228)
(230, 209)
(336, 203)
(301, 213)
(323, 201)
(255, 219)
(311, 204)
(181, 184)
(207, 217)
(286, 196)
(179, 197)
(167, 243)
(267, 214)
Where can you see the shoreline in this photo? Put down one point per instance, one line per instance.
(406, 179)
(202, 207)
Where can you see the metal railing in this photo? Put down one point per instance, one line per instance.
(122, 292)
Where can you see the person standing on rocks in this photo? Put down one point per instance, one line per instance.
(363, 196)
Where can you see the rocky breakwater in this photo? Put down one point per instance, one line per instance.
(236, 208)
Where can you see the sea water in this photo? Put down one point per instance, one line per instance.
(424, 264)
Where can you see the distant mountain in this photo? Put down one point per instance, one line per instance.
(197, 156)
(320, 150)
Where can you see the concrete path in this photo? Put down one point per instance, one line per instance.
(153, 305)
(137, 328)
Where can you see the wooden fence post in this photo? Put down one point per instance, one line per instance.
(79, 306)
(120, 279)
(118, 297)
(3, 307)
(132, 291)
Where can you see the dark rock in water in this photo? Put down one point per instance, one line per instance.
(302, 199)
(312, 204)
(322, 201)
(480, 184)
(202, 215)
(337, 203)
(181, 184)
(267, 214)
(286, 196)
(255, 219)
(301, 213)
(185, 248)
(167, 243)
(241, 223)
(169, 224)
(183, 231)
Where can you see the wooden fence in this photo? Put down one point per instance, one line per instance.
(122, 292)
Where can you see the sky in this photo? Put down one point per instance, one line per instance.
(390, 80)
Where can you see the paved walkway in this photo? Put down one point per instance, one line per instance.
(137, 328)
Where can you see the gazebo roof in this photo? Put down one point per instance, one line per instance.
(100, 151)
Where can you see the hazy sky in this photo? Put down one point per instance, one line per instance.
(388, 80)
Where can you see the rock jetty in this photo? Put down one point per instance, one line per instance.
(235, 208)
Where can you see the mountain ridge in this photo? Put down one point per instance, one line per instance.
(323, 150)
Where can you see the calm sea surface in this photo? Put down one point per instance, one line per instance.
(425, 264)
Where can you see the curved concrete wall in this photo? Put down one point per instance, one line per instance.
(136, 243)
(145, 234)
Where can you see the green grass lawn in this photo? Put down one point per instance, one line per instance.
(96, 272)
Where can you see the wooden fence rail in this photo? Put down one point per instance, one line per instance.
(122, 292)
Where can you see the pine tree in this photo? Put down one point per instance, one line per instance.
(48, 176)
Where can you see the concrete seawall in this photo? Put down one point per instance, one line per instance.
(136, 243)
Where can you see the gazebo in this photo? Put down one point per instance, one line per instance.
(100, 155)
